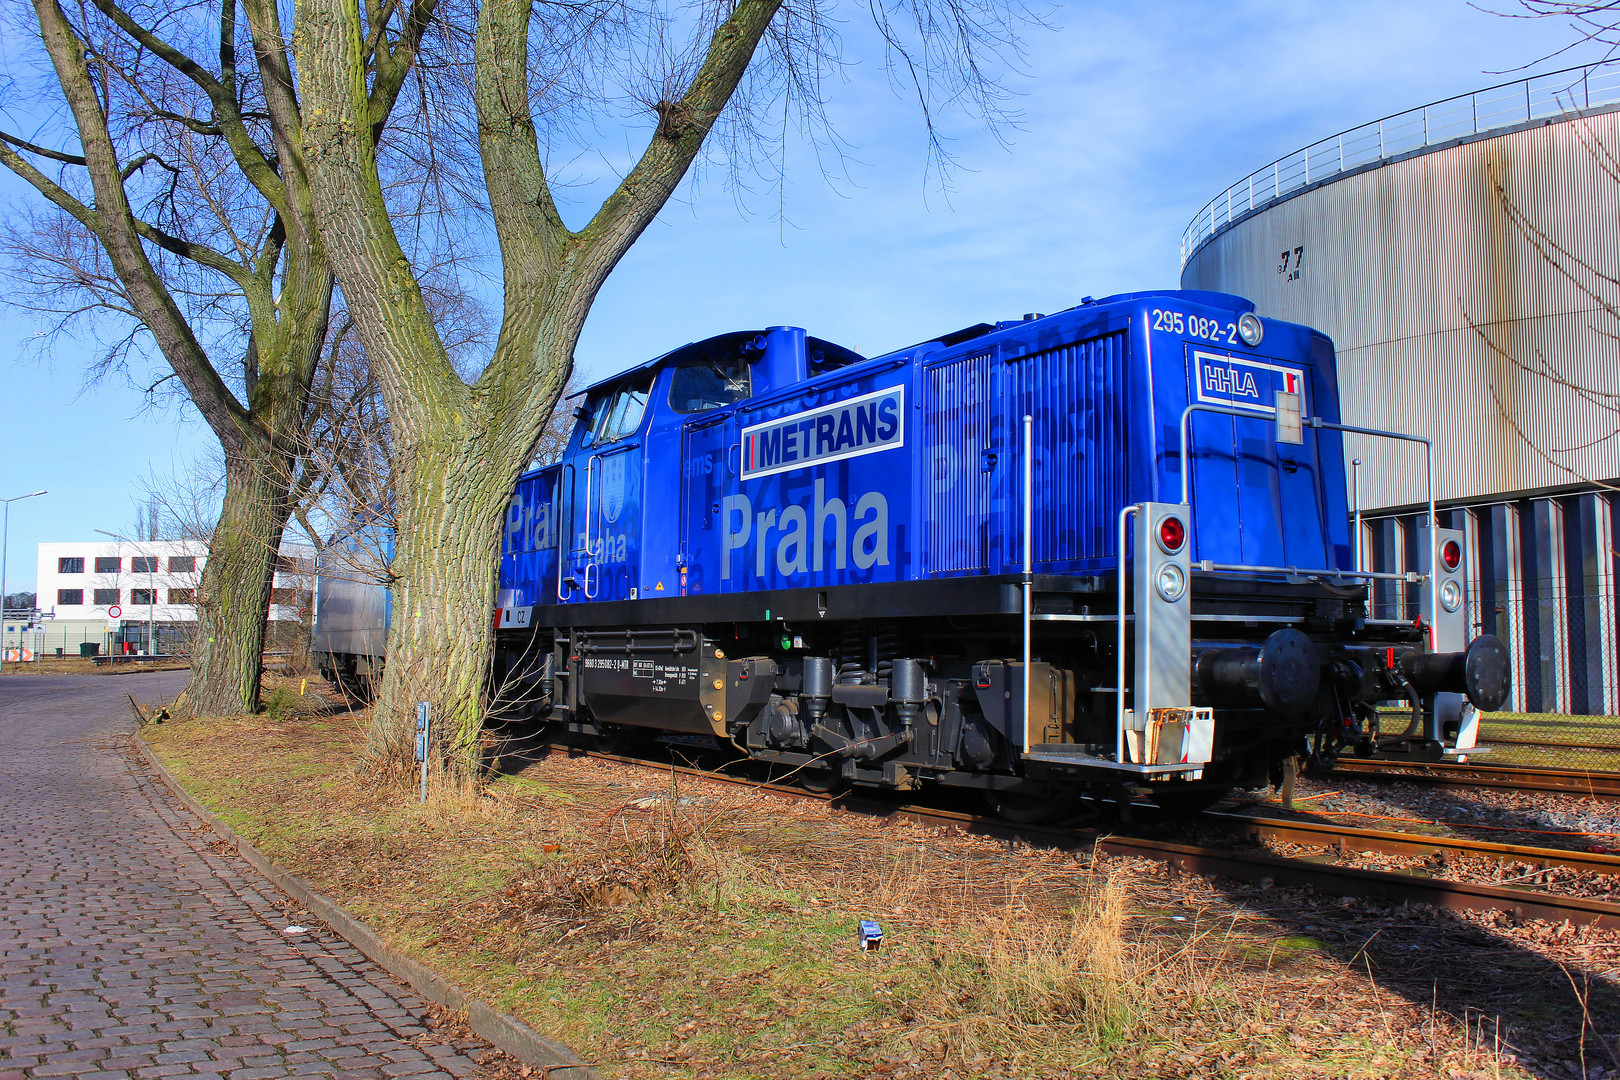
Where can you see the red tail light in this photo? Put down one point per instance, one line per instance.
(1172, 534)
(1451, 554)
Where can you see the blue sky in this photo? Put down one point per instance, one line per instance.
(1133, 117)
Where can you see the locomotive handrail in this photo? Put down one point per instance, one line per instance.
(1319, 424)
(564, 551)
(1408, 576)
(1119, 645)
(1029, 554)
(593, 459)
(1434, 524)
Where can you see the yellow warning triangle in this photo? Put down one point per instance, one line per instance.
(658, 587)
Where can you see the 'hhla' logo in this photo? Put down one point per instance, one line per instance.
(1245, 383)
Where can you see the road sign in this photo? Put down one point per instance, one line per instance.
(114, 612)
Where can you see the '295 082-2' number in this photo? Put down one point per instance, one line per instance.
(1195, 326)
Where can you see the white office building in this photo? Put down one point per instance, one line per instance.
(103, 596)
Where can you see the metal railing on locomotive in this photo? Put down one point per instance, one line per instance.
(1427, 580)
(1317, 423)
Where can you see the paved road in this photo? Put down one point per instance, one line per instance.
(129, 949)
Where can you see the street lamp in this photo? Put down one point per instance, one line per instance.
(151, 595)
(5, 550)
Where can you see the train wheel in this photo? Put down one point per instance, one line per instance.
(1186, 803)
(1022, 809)
(619, 740)
(1324, 753)
(820, 781)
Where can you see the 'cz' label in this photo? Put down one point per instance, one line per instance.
(1245, 383)
(862, 425)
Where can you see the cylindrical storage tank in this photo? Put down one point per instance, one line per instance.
(1456, 256)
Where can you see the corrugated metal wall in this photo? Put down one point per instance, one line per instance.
(1079, 398)
(1542, 575)
(961, 492)
(1435, 278)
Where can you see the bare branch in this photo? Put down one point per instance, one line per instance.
(54, 155)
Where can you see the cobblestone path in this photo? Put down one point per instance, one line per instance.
(129, 948)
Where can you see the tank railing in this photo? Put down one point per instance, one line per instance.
(1556, 93)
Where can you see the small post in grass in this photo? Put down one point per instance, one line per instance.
(422, 742)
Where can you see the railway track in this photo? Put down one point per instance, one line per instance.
(1256, 866)
(1595, 785)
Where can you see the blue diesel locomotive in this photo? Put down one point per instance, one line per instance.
(906, 570)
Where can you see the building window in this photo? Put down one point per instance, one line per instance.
(106, 597)
(289, 597)
(183, 564)
(108, 564)
(70, 565)
(143, 564)
(71, 597)
(140, 596)
(183, 596)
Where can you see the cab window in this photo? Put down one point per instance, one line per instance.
(708, 384)
(824, 356)
(619, 414)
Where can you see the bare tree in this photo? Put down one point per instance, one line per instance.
(184, 216)
(1565, 256)
(541, 75)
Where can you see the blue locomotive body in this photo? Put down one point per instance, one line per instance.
(906, 467)
(920, 568)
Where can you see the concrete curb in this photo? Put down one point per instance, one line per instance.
(501, 1029)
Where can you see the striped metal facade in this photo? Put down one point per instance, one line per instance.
(1542, 575)
(1463, 289)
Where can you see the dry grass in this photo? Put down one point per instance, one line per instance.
(665, 927)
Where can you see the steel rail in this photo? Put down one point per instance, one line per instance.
(1594, 785)
(1239, 865)
(1600, 748)
(1379, 884)
(1344, 838)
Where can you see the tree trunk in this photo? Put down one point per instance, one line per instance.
(233, 598)
(446, 548)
